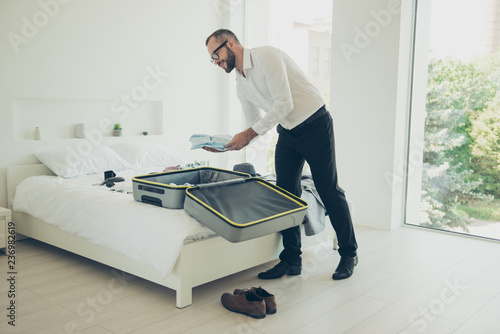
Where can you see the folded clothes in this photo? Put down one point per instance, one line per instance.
(187, 184)
(218, 142)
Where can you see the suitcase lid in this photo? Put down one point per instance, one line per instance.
(288, 203)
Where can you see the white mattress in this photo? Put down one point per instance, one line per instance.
(114, 220)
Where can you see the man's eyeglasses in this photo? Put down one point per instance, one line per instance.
(215, 55)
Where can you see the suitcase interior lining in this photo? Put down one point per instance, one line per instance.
(247, 203)
(192, 177)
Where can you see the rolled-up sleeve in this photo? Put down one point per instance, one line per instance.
(250, 111)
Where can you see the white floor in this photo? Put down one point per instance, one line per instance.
(408, 281)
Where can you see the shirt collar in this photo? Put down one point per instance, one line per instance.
(247, 61)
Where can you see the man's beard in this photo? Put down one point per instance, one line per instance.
(230, 61)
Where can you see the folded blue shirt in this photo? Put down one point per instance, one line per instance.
(218, 142)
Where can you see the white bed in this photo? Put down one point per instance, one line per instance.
(204, 258)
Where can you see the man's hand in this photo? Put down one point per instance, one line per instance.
(241, 140)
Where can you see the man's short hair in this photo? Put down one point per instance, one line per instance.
(222, 35)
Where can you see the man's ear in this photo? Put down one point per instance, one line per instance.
(230, 43)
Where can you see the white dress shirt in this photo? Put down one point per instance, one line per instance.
(273, 82)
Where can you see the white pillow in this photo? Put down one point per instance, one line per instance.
(82, 160)
(144, 154)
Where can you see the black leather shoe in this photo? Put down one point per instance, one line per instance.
(345, 268)
(280, 270)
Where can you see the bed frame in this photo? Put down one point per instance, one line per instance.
(200, 262)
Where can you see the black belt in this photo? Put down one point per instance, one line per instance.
(321, 112)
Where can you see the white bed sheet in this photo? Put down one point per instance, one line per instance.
(114, 220)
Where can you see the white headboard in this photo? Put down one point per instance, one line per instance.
(15, 174)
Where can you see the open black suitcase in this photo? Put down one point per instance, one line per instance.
(168, 189)
(235, 206)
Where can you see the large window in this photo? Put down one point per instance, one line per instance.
(303, 30)
(454, 151)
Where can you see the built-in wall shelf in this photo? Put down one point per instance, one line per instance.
(58, 118)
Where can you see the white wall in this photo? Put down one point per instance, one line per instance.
(369, 120)
(98, 50)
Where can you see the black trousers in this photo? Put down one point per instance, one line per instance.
(313, 142)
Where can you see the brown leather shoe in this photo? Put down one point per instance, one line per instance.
(269, 299)
(247, 303)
